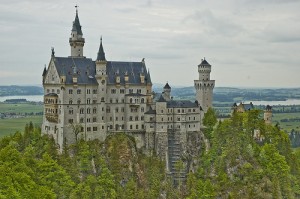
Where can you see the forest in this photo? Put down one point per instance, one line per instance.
(234, 165)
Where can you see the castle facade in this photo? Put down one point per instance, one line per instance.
(91, 99)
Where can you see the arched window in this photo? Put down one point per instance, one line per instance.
(142, 100)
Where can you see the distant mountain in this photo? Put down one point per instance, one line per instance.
(20, 90)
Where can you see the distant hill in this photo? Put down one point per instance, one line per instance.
(230, 94)
(20, 90)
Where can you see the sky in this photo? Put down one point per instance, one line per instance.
(249, 43)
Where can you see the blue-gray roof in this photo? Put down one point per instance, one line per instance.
(181, 104)
(86, 69)
(132, 69)
(76, 25)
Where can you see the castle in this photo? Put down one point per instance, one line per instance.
(86, 99)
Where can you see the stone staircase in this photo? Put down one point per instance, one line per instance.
(174, 154)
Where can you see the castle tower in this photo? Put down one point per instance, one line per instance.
(204, 86)
(268, 114)
(76, 40)
(167, 92)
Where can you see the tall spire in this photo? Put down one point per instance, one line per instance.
(101, 54)
(76, 24)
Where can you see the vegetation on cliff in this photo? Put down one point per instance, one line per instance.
(240, 166)
(236, 165)
(31, 167)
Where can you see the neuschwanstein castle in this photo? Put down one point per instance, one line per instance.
(91, 99)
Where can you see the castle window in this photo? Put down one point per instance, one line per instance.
(142, 118)
(71, 111)
(102, 99)
(194, 118)
(88, 101)
(123, 101)
(142, 100)
(78, 101)
(130, 126)
(110, 118)
(94, 128)
(117, 118)
(162, 111)
(130, 100)
(139, 90)
(178, 119)
(117, 110)
(81, 111)
(81, 120)
(70, 91)
(178, 110)
(111, 101)
(113, 91)
(88, 120)
(94, 101)
(48, 90)
(88, 129)
(123, 126)
(117, 100)
(70, 121)
(189, 110)
(182, 110)
(137, 126)
(122, 118)
(78, 91)
(102, 127)
(143, 126)
(94, 110)
(193, 110)
(108, 109)
(130, 118)
(162, 119)
(130, 90)
(70, 101)
(102, 108)
(88, 91)
(102, 118)
(88, 110)
(122, 91)
(110, 127)
(136, 118)
(94, 91)
(122, 109)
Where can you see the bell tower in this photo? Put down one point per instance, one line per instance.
(204, 85)
(76, 40)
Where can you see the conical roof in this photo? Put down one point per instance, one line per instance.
(76, 24)
(101, 54)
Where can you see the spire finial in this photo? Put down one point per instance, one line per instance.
(76, 8)
(52, 51)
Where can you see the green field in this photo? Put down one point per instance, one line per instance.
(10, 126)
(20, 108)
(287, 126)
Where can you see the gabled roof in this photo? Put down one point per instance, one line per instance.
(167, 86)
(181, 104)
(204, 62)
(76, 24)
(150, 111)
(161, 99)
(85, 69)
(131, 69)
